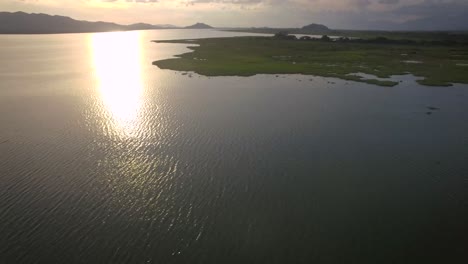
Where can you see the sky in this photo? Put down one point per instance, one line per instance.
(338, 14)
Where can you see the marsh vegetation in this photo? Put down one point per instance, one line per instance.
(438, 62)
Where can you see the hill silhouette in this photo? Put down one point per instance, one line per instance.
(199, 26)
(316, 28)
(24, 23)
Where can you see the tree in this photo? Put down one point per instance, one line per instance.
(325, 38)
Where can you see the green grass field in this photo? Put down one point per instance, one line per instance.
(247, 56)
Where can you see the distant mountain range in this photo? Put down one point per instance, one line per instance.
(24, 23)
(309, 29)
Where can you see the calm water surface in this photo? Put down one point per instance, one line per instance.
(105, 158)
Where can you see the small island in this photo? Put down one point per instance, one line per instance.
(439, 63)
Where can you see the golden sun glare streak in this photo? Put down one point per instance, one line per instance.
(116, 60)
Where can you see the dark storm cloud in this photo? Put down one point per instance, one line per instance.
(432, 8)
(411, 15)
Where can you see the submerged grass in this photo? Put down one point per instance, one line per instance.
(247, 56)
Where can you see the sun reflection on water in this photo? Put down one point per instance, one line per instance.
(117, 64)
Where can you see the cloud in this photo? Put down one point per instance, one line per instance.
(132, 1)
(389, 2)
(333, 13)
(242, 2)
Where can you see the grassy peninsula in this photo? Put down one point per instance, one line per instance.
(439, 64)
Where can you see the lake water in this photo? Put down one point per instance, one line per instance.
(104, 158)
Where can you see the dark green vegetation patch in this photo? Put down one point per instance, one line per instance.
(246, 56)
